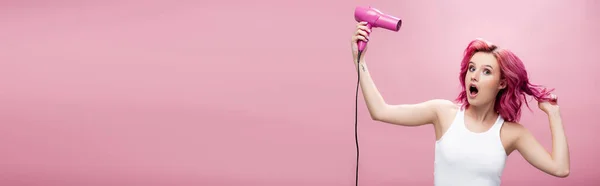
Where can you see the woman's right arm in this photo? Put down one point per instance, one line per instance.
(403, 114)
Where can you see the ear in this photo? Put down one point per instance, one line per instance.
(502, 84)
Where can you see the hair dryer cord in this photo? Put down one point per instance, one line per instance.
(356, 115)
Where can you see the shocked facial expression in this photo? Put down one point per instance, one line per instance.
(483, 79)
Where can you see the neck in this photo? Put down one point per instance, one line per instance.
(482, 113)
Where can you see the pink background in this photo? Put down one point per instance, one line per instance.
(262, 92)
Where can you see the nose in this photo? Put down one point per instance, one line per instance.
(475, 76)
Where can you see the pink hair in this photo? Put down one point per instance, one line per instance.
(509, 100)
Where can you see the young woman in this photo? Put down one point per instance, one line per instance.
(475, 135)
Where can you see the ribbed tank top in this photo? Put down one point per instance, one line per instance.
(466, 158)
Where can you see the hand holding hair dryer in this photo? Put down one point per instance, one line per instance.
(375, 19)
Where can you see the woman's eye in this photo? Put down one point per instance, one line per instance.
(487, 72)
(471, 69)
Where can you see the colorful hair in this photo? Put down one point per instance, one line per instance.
(509, 100)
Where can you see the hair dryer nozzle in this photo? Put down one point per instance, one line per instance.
(389, 22)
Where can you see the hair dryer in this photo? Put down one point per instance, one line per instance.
(374, 19)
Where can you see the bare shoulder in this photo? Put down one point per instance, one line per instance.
(510, 133)
(445, 109)
(444, 106)
(446, 112)
(513, 129)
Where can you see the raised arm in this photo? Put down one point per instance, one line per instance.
(404, 114)
(557, 162)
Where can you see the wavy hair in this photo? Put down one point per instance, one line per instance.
(509, 100)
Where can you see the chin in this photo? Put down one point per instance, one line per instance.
(478, 101)
(473, 102)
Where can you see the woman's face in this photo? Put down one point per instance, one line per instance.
(483, 79)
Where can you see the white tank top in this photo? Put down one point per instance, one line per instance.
(466, 158)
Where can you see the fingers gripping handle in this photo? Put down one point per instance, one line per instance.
(362, 44)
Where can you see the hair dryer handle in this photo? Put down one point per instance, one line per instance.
(362, 44)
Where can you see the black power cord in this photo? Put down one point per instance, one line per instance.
(356, 115)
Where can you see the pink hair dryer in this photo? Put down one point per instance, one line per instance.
(375, 19)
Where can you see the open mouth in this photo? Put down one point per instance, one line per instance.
(473, 90)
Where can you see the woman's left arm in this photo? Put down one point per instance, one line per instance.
(557, 162)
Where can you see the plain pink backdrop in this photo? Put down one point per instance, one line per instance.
(225, 93)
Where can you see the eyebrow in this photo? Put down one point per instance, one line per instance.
(471, 62)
